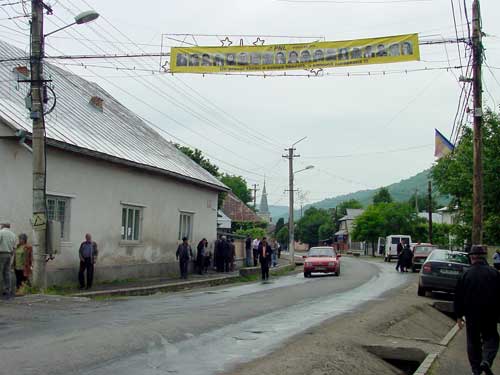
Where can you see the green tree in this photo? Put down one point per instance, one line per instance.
(197, 156)
(423, 202)
(308, 226)
(351, 203)
(327, 230)
(279, 224)
(253, 232)
(382, 196)
(453, 175)
(238, 186)
(282, 236)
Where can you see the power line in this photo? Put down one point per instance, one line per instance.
(370, 153)
(354, 1)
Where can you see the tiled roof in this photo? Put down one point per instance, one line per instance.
(236, 210)
(113, 132)
(352, 213)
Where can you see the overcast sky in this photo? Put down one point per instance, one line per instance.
(357, 127)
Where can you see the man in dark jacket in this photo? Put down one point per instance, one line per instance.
(399, 250)
(264, 258)
(226, 254)
(183, 254)
(477, 298)
(88, 256)
(248, 251)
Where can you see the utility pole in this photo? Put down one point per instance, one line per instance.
(39, 220)
(291, 224)
(255, 196)
(430, 211)
(477, 184)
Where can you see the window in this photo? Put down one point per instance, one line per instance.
(131, 223)
(186, 225)
(58, 210)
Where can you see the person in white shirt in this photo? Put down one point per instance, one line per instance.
(496, 260)
(7, 246)
(255, 251)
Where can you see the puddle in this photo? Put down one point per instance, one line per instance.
(406, 359)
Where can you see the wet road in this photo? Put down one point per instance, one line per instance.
(199, 332)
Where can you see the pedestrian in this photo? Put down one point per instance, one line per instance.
(279, 250)
(207, 260)
(232, 254)
(406, 258)
(255, 251)
(477, 298)
(200, 255)
(7, 244)
(88, 256)
(226, 254)
(217, 255)
(183, 254)
(23, 261)
(274, 252)
(248, 251)
(399, 250)
(496, 260)
(264, 258)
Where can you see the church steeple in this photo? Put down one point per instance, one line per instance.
(264, 207)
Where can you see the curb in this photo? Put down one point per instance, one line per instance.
(152, 289)
(426, 365)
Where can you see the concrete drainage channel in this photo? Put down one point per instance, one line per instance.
(415, 361)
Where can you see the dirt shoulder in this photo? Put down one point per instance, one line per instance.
(399, 326)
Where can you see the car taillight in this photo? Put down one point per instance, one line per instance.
(426, 268)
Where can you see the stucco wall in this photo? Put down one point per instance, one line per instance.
(96, 190)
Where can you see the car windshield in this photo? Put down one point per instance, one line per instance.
(321, 252)
(423, 249)
(449, 256)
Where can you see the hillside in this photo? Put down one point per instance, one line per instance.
(400, 191)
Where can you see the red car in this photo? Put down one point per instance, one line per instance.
(420, 253)
(321, 259)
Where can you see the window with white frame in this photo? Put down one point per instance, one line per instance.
(58, 209)
(186, 225)
(131, 223)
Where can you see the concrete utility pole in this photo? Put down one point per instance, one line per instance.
(291, 222)
(477, 184)
(255, 196)
(430, 211)
(39, 219)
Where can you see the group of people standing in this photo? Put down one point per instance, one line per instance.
(260, 251)
(16, 254)
(405, 257)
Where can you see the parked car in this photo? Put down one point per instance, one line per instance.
(441, 271)
(420, 253)
(321, 259)
(391, 245)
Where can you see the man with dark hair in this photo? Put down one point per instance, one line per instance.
(88, 256)
(225, 248)
(7, 245)
(183, 254)
(248, 251)
(477, 298)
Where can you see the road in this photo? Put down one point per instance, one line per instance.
(198, 332)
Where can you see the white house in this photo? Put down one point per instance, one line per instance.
(108, 173)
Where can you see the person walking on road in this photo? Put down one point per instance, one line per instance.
(406, 257)
(274, 252)
(183, 254)
(496, 260)
(248, 251)
(200, 255)
(477, 298)
(264, 258)
(7, 244)
(88, 256)
(255, 250)
(23, 261)
(399, 250)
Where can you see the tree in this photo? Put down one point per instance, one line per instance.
(308, 226)
(351, 203)
(423, 202)
(279, 224)
(197, 156)
(382, 196)
(282, 236)
(327, 230)
(453, 175)
(239, 187)
(253, 232)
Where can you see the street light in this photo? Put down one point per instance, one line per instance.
(80, 19)
(305, 169)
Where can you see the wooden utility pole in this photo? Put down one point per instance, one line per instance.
(477, 185)
(430, 211)
(39, 220)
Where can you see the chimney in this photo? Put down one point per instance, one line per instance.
(97, 102)
(22, 70)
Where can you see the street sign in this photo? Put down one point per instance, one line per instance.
(39, 221)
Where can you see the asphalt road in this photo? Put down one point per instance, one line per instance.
(199, 332)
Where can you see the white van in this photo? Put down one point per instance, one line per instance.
(391, 245)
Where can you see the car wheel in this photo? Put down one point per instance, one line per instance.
(413, 269)
(307, 274)
(385, 259)
(338, 272)
(421, 291)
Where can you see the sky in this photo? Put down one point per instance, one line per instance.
(362, 132)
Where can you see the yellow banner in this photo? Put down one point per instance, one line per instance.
(307, 56)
